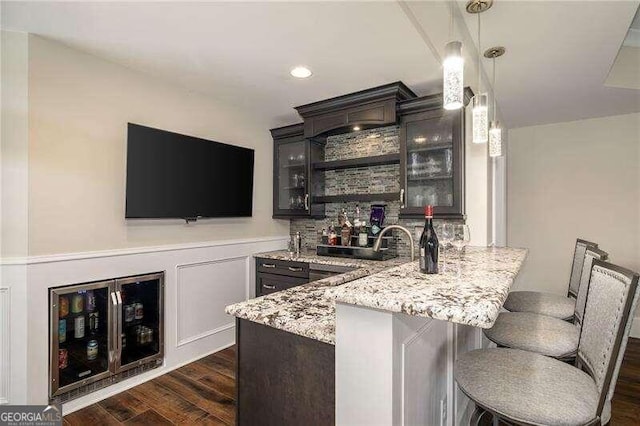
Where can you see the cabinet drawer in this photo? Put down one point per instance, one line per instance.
(270, 283)
(283, 267)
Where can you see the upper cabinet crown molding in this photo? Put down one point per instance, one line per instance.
(367, 108)
(287, 131)
(428, 102)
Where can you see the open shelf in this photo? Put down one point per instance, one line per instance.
(433, 147)
(377, 160)
(345, 198)
(293, 165)
(426, 178)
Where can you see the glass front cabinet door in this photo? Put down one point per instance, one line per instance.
(80, 340)
(432, 163)
(291, 172)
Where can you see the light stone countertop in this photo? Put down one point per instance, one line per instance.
(470, 290)
(472, 297)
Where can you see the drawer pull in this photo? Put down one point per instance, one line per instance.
(268, 265)
(269, 287)
(294, 269)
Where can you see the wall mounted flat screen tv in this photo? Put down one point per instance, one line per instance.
(170, 175)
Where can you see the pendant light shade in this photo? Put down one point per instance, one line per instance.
(480, 113)
(453, 77)
(495, 139)
(495, 131)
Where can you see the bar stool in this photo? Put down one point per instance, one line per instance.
(550, 304)
(526, 388)
(542, 334)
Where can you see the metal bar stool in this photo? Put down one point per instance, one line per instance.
(542, 334)
(525, 388)
(550, 304)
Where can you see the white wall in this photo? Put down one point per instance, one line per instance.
(64, 117)
(79, 106)
(14, 157)
(570, 180)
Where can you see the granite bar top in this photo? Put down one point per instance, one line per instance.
(470, 290)
(305, 310)
(472, 294)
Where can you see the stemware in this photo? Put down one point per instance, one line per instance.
(446, 233)
(461, 236)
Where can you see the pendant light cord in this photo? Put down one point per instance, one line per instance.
(494, 88)
(479, 54)
(451, 20)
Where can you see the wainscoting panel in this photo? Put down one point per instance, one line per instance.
(204, 289)
(200, 280)
(5, 333)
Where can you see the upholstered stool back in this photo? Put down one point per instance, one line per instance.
(590, 255)
(576, 267)
(606, 324)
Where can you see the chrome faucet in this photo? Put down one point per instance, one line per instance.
(378, 243)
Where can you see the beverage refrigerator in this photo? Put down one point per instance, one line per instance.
(101, 332)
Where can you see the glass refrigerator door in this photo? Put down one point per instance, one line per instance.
(140, 322)
(80, 335)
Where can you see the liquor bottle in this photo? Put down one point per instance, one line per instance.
(333, 237)
(345, 232)
(428, 245)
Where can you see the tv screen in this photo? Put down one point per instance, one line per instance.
(176, 176)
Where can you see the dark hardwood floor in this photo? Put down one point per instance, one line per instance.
(203, 393)
(200, 393)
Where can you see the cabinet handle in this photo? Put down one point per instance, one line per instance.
(306, 201)
(113, 299)
(402, 198)
(293, 269)
(269, 287)
(268, 265)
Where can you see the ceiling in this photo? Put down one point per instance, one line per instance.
(558, 56)
(558, 53)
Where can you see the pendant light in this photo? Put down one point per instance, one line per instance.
(480, 102)
(453, 71)
(495, 131)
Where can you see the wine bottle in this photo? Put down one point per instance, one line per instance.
(428, 244)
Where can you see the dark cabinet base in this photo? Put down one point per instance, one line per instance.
(282, 378)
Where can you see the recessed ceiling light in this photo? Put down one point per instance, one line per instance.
(300, 72)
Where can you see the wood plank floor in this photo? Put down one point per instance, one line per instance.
(203, 393)
(200, 393)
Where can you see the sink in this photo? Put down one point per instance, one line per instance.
(366, 253)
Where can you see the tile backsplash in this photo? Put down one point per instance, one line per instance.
(362, 180)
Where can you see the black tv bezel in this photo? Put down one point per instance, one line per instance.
(188, 219)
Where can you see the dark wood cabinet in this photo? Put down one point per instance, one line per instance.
(431, 159)
(283, 379)
(292, 173)
(431, 153)
(276, 275)
(375, 107)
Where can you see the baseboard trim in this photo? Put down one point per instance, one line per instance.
(31, 260)
(635, 328)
